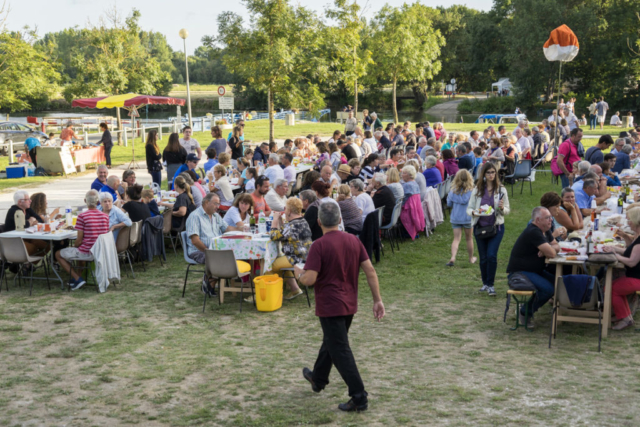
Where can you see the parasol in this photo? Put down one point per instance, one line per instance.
(128, 101)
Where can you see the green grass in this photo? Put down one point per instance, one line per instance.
(441, 356)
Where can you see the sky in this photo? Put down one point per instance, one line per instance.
(199, 17)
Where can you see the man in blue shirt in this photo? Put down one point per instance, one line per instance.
(464, 162)
(30, 146)
(101, 180)
(261, 154)
(623, 161)
(585, 195)
(111, 187)
(190, 165)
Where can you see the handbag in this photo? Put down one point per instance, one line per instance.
(605, 258)
(485, 232)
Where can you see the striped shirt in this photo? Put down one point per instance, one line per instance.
(205, 227)
(92, 223)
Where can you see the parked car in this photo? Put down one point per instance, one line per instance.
(501, 119)
(18, 133)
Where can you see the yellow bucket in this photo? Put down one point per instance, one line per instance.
(268, 292)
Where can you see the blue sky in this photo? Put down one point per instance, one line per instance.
(198, 16)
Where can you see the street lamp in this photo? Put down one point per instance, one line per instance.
(184, 34)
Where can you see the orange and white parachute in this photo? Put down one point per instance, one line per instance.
(562, 45)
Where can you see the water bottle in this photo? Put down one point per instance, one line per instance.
(262, 223)
(68, 216)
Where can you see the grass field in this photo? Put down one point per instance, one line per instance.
(141, 354)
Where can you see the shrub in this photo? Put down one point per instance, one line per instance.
(502, 104)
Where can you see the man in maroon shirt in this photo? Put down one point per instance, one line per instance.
(332, 265)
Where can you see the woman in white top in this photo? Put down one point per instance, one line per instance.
(239, 215)
(222, 187)
(250, 182)
(362, 199)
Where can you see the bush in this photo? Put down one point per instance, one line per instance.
(502, 104)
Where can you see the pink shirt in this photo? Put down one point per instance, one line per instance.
(570, 152)
(92, 223)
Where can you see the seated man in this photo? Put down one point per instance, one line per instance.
(111, 187)
(585, 195)
(189, 165)
(259, 202)
(276, 198)
(528, 257)
(90, 224)
(22, 210)
(274, 172)
(128, 180)
(203, 225)
(464, 161)
(101, 180)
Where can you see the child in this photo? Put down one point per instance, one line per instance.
(149, 199)
(241, 171)
(251, 175)
(458, 199)
(477, 152)
(211, 159)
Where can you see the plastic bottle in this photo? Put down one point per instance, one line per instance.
(262, 223)
(68, 216)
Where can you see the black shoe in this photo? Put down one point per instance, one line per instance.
(308, 375)
(351, 406)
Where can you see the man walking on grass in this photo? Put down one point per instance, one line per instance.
(332, 265)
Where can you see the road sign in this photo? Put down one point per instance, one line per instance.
(225, 103)
(453, 81)
(221, 91)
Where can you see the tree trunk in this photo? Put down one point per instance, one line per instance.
(119, 123)
(395, 109)
(355, 88)
(270, 106)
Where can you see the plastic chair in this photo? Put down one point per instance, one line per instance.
(14, 251)
(3, 265)
(521, 172)
(389, 229)
(123, 243)
(223, 266)
(190, 261)
(166, 229)
(135, 237)
(87, 269)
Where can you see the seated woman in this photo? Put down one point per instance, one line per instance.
(393, 182)
(183, 204)
(568, 215)
(612, 178)
(553, 202)
(450, 163)
(419, 178)
(196, 183)
(309, 178)
(409, 184)
(40, 205)
(630, 283)
(117, 218)
(195, 192)
(349, 210)
(222, 187)
(149, 200)
(508, 148)
(240, 213)
(295, 236)
(135, 207)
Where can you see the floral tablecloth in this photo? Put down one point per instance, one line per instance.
(261, 248)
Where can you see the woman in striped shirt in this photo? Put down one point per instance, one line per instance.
(369, 167)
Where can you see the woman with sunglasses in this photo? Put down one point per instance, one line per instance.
(488, 229)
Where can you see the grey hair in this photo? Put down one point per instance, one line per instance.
(590, 175)
(126, 174)
(380, 178)
(422, 139)
(431, 140)
(103, 195)
(274, 156)
(627, 149)
(91, 198)
(111, 181)
(620, 140)
(589, 183)
(19, 195)
(537, 212)
(377, 133)
(382, 157)
(278, 182)
(373, 114)
(522, 122)
(357, 184)
(584, 166)
(414, 163)
(187, 178)
(430, 160)
(308, 195)
(462, 149)
(566, 190)
(102, 167)
(410, 170)
(430, 152)
(329, 214)
(207, 198)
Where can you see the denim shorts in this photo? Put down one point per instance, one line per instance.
(461, 225)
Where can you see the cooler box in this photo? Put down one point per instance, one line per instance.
(268, 292)
(17, 171)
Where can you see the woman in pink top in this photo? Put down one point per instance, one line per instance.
(562, 164)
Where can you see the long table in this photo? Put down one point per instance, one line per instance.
(49, 237)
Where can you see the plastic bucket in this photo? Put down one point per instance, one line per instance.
(268, 292)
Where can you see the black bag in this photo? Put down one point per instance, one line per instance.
(520, 282)
(485, 232)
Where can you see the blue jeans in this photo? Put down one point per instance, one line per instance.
(107, 155)
(488, 250)
(564, 179)
(592, 121)
(156, 176)
(544, 289)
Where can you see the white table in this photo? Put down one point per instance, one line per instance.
(303, 168)
(49, 237)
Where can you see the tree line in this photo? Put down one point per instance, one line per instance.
(287, 56)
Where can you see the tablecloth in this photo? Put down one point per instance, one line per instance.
(260, 248)
(88, 155)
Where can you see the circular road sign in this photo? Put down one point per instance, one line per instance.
(453, 81)
(221, 90)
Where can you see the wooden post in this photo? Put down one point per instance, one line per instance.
(202, 121)
(119, 123)
(10, 147)
(160, 130)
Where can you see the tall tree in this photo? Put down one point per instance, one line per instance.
(346, 56)
(277, 53)
(116, 62)
(405, 46)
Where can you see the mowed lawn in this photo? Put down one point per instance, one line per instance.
(141, 354)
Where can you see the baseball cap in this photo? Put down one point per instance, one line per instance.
(192, 158)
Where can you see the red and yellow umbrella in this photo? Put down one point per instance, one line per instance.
(127, 101)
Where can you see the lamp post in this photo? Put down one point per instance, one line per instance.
(184, 34)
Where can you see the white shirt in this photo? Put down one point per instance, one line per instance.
(572, 121)
(190, 145)
(335, 176)
(357, 150)
(274, 172)
(232, 217)
(250, 185)
(289, 173)
(523, 143)
(365, 203)
(373, 143)
(615, 120)
(275, 202)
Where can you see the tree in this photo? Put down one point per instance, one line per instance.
(347, 60)
(277, 54)
(405, 46)
(116, 62)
